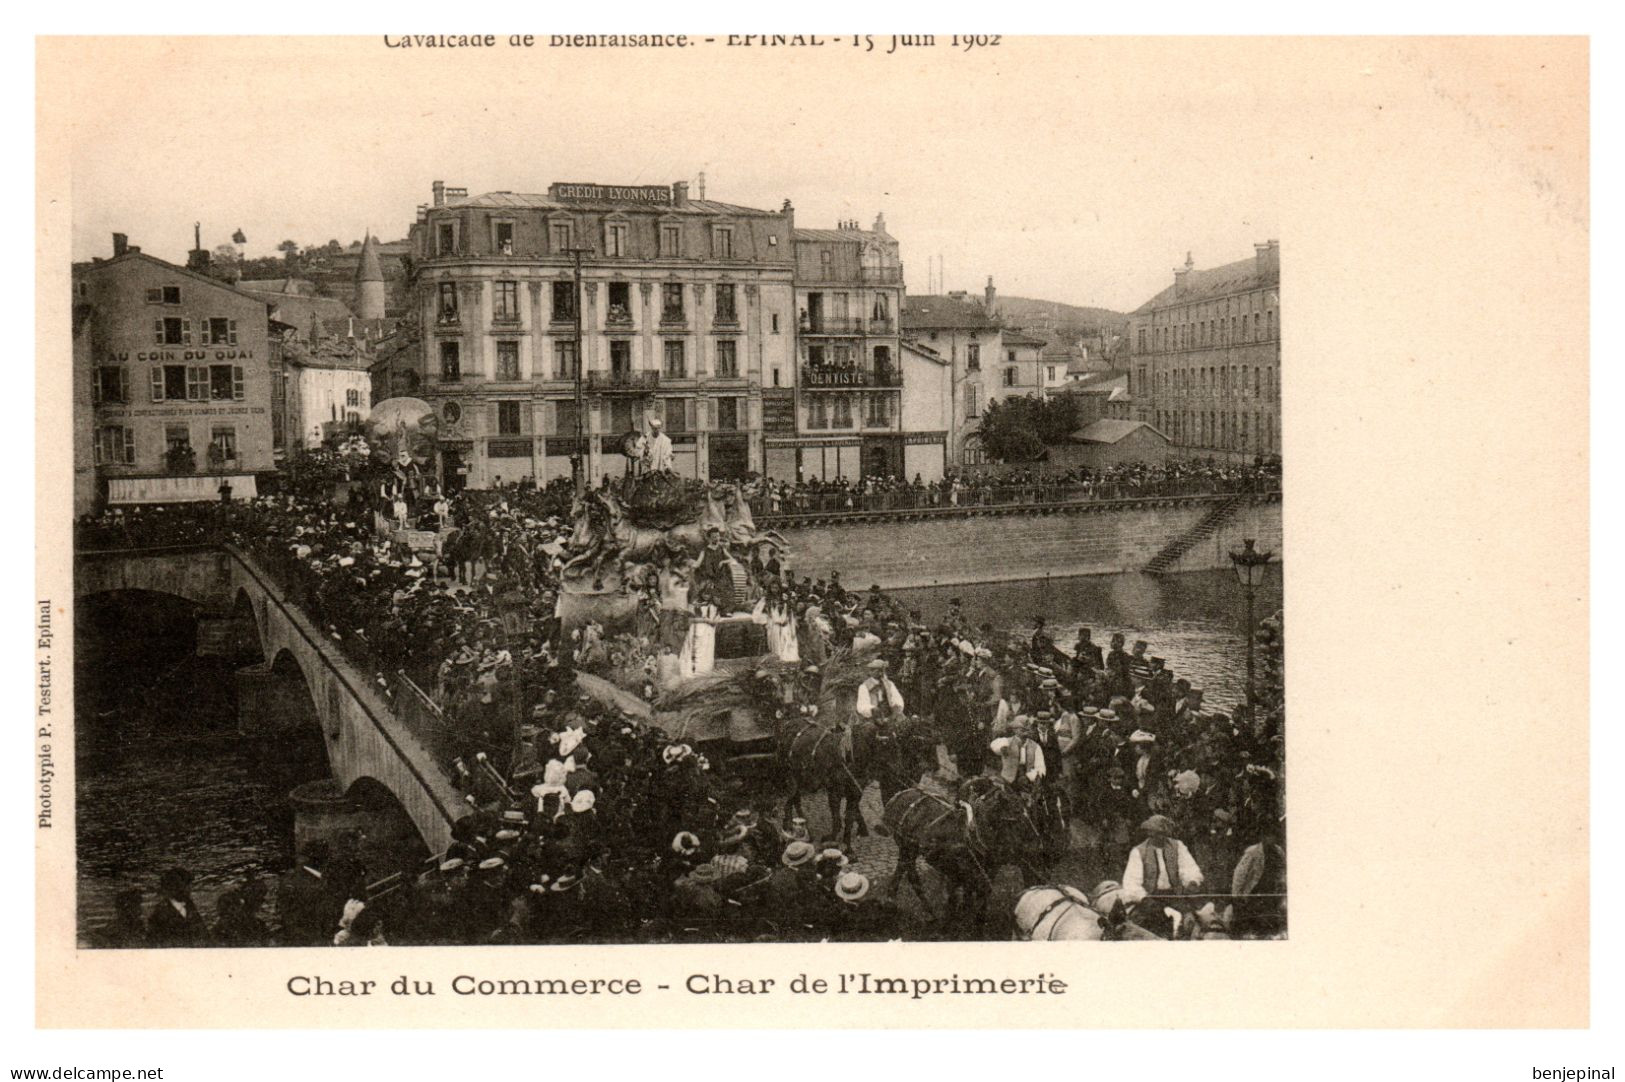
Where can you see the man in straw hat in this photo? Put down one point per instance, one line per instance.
(1161, 864)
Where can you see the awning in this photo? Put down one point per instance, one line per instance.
(194, 489)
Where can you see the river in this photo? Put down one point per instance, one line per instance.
(1194, 621)
(164, 779)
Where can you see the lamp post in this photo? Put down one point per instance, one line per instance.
(1250, 564)
(578, 458)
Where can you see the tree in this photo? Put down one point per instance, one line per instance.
(1019, 429)
(290, 251)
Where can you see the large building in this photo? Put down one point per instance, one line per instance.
(1206, 362)
(966, 333)
(687, 313)
(176, 367)
(849, 376)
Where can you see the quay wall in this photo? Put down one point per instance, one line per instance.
(908, 550)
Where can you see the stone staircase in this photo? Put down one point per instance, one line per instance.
(1205, 528)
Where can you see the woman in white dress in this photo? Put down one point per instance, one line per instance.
(700, 649)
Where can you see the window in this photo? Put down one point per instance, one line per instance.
(615, 234)
(451, 365)
(620, 359)
(775, 323)
(676, 365)
(508, 361)
(112, 384)
(815, 356)
(671, 240)
(223, 444)
(226, 382)
(448, 302)
(671, 302)
(883, 369)
(727, 414)
(505, 303)
(220, 332)
(1010, 355)
(677, 414)
(879, 411)
(564, 360)
(564, 301)
(726, 312)
(1010, 376)
(560, 233)
(620, 415)
(508, 418)
(172, 331)
(446, 238)
(722, 242)
(352, 397)
(843, 411)
(565, 418)
(620, 303)
(164, 295)
(115, 446)
(727, 358)
(817, 411)
(973, 400)
(177, 438)
(1049, 374)
(197, 383)
(504, 237)
(973, 357)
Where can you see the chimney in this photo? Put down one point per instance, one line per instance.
(992, 296)
(1267, 260)
(880, 222)
(702, 185)
(439, 193)
(1180, 273)
(121, 244)
(679, 194)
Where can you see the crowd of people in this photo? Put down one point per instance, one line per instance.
(1181, 477)
(589, 823)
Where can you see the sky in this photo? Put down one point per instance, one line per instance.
(1075, 170)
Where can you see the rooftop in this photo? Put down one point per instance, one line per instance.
(1201, 285)
(1110, 430)
(946, 313)
(543, 201)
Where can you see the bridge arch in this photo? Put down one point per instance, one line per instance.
(301, 677)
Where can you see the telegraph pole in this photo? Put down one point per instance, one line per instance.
(578, 457)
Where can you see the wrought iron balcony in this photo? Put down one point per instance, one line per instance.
(623, 382)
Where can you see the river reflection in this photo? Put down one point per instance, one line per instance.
(1194, 621)
(164, 778)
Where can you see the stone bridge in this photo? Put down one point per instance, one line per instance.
(306, 675)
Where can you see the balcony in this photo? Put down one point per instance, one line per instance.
(623, 382)
(618, 315)
(847, 325)
(827, 377)
(861, 275)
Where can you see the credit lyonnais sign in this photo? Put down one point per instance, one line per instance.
(613, 193)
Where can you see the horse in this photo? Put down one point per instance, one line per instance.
(987, 825)
(812, 755)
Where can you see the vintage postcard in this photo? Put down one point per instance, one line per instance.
(727, 529)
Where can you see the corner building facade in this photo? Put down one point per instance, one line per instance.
(1206, 361)
(686, 314)
(173, 383)
(849, 375)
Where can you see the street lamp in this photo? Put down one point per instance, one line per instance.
(578, 458)
(1250, 564)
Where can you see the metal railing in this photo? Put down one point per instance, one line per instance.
(647, 380)
(809, 504)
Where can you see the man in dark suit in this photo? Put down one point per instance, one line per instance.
(1087, 651)
(175, 921)
(304, 902)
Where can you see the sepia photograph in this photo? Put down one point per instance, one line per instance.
(610, 562)
(531, 501)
